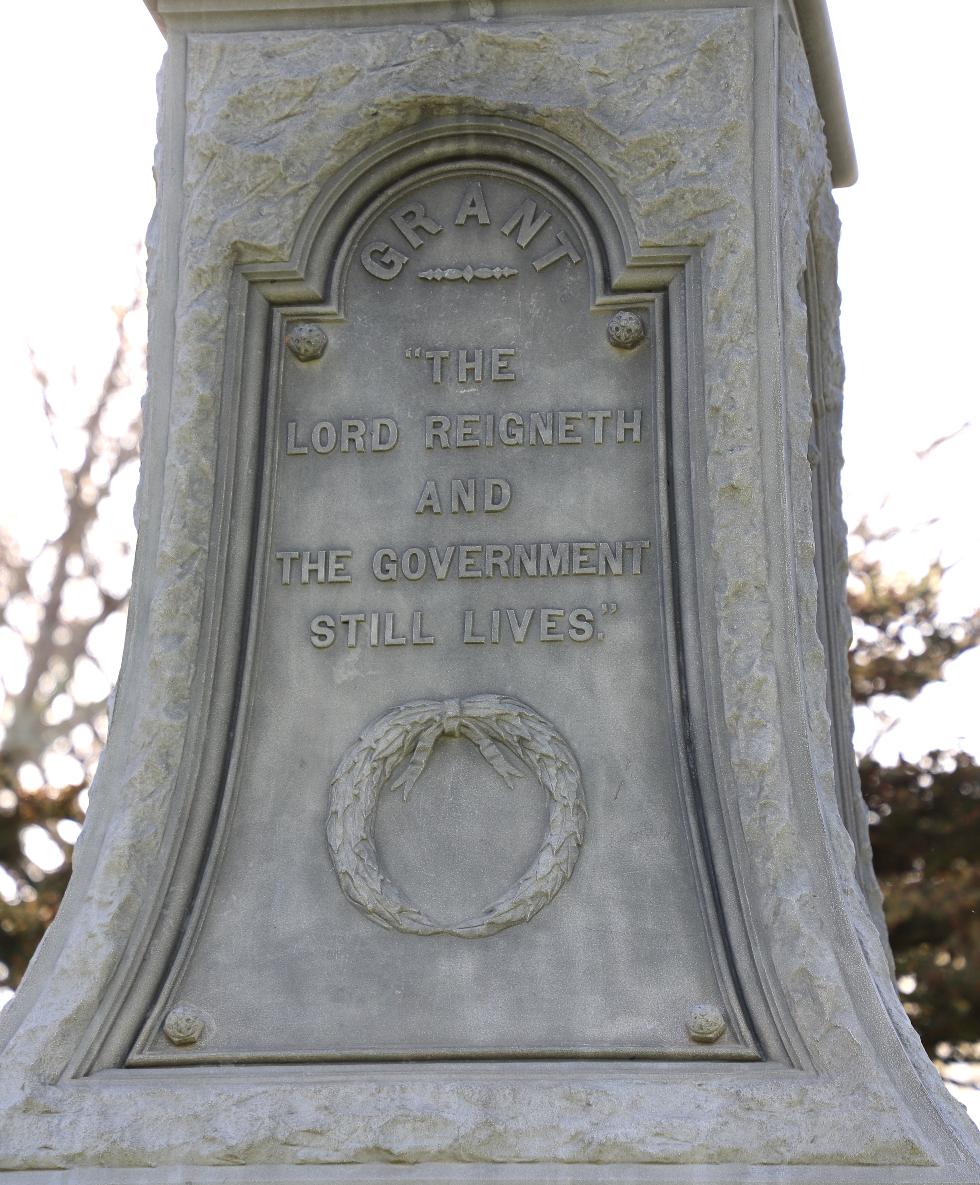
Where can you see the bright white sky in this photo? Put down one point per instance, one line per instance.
(77, 84)
(909, 263)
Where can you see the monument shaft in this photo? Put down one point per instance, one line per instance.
(479, 801)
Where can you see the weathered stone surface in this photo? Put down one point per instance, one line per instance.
(713, 149)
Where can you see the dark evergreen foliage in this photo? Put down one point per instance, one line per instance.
(924, 814)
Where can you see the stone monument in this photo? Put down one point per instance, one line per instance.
(479, 804)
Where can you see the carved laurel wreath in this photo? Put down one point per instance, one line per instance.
(498, 726)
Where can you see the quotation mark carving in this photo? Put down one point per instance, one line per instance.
(606, 608)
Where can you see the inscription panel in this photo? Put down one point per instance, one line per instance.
(459, 824)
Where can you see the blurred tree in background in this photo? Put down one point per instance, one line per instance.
(925, 814)
(62, 615)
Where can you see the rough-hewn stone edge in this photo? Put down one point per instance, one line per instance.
(809, 209)
(815, 30)
(52, 1007)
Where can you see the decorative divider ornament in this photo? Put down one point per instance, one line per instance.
(468, 273)
(497, 725)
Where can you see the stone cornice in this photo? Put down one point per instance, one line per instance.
(812, 16)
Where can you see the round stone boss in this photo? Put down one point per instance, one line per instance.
(306, 341)
(625, 330)
(501, 728)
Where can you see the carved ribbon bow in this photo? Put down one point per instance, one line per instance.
(455, 722)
